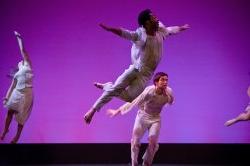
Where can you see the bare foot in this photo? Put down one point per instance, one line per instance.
(230, 122)
(14, 140)
(17, 34)
(98, 85)
(104, 86)
(89, 115)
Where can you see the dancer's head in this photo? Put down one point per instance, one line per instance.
(148, 20)
(161, 79)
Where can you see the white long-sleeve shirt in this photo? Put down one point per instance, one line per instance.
(146, 51)
(149, 101)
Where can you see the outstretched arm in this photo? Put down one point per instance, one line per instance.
(129, 35)
(112, 112)
(177, 29)
(125, 108)
(184, 27)
(116, 31)
(22, 49)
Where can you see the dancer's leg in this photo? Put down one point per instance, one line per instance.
(8, 120)
(138, 131)
(153, 145)
(242, 117)
(110, 91)
(18, 134)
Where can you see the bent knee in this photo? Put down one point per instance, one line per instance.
(135, 143)
(152, 139)
(153, 142)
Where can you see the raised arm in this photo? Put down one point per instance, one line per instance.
(129, 35)
(21, 47)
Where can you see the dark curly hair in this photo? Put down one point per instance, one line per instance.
(144, 16)
(158, 75)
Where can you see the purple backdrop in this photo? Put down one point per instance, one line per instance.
(208, 67)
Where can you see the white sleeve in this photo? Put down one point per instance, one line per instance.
(163, 30)
(129, 35)
(128, 106)
(169, 92)
(173, 30)
(168, 30)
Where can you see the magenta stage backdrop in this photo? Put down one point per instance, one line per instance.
(208, 67)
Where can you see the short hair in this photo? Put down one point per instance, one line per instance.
(158, 75)
(144, 16)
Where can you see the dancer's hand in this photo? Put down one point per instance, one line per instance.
(117, 31)
(17, 34)
(5, 100)
(184, 27)
(104, 27)
(111, 113)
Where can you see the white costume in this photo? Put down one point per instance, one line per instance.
(21, 98)
(146, 54)
(148, 118)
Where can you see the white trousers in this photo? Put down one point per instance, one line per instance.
(145, 122)
(127, 87)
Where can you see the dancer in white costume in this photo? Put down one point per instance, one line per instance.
(244, 116)
(146, 54)
(19, 97)
(150, 102)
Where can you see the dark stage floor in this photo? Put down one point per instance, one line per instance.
(128, 165)
(119, 154)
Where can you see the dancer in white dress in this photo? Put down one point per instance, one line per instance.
(146, 54)
(150, 102)
(244, 116)
(19, 97)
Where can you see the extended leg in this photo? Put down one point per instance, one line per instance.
(18, 134)
(242, 117)
(153, 145)
(138, 132)
(8, 120)
(110, 91)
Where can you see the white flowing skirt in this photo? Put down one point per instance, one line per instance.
(21, 101)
